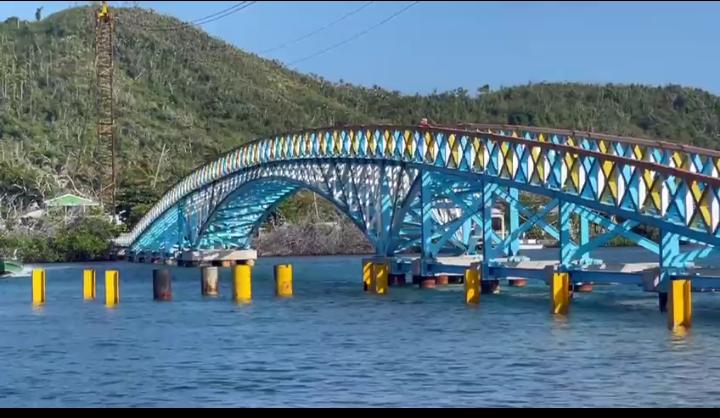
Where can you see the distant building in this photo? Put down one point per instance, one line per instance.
(69, 204)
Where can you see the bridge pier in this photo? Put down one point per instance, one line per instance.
(217, 258)
(427, 282)
(162, 284)
(396, 280)
(680, 304)
(283, 280)
(242, 284)
(377, 274)
(89, 284)
(560, 293)
(367, 275)
(112, 288)
(582, 287)
(472, 286)
(490, 286)
(455, 279)
(380, 277)
(209, 281)
(662, 301)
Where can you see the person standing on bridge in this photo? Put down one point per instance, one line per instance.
(425, 124)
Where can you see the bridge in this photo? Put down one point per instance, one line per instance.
(430, 190)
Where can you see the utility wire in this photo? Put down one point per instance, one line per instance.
(237, 8)
(318, 30)
(355, 36)
(200, 21)
(196, 20)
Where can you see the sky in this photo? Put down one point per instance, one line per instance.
(447, 45)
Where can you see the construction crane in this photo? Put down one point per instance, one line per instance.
(104, 93)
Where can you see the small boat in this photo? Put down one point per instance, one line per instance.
(10, 266)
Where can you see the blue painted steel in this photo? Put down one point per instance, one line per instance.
(432, 190)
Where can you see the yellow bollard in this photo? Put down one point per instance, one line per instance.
(89, 284)
(283, 280)
(367, 275)
(472, 286)
(680, 304)
(112, 287)
(242, 283)
(560, 293)
(38, 286)
(380, 276)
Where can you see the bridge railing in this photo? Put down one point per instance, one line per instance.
(687, 157)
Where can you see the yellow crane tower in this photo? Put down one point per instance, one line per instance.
(104, 93)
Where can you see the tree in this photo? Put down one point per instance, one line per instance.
(38, 14)
(483, 90)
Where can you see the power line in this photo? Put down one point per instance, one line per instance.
(318, 30)
(238, 7)
(357, 35)
(200, 21)
(217, 13)
(194, 21)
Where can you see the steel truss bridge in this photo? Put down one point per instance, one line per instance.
(432, 190)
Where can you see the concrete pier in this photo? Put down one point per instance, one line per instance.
(209, 283)
(220, 258)
(162, 284)
(490, 286)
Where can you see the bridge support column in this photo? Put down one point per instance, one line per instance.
(427, 282)
(565, 229)
(517, 282)
(89, 284)
(669, 258)
(662, 301)
(680, 304)
(242, 283)
(367, 275)
(584, 236)
(454, 279)
(38, 286)
(380, 277)
(426, 220)
(112, 288)
(560, 293)
(162, 284)
(489, 252)
(472, 286)
(209, 281)
(396, 279)
(283, 280)
(514, 222)
(582, 287)
(490, 286)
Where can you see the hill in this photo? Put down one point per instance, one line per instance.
(183, 97)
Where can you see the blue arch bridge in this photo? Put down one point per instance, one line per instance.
(431, 191)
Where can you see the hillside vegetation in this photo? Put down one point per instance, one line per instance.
(183, 97)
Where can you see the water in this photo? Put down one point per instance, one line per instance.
(333, 345)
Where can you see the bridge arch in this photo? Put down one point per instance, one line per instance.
(435, 187)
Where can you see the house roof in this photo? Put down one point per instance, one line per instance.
(69, 200)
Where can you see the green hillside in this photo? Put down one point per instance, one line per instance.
(184, 97)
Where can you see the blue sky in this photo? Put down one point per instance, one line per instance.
(445, 45)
